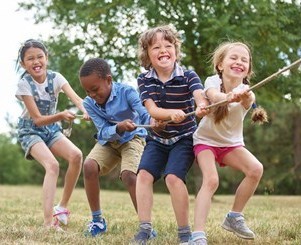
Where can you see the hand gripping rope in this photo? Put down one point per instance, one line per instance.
(68, 130)
(258, 85)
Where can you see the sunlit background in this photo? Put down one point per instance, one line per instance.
(16, 27)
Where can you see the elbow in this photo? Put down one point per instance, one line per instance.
(38, 122)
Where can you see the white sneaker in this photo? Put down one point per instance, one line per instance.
(61, 214)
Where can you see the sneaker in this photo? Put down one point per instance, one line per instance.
(141, 238)
(61, 214)
(238, 226)
(153, 234)
(199, 241)
(96, 228)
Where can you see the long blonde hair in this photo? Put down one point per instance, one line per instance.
(259, 115)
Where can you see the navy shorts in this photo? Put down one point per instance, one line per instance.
(159, 159)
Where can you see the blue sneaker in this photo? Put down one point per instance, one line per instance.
(96, 228)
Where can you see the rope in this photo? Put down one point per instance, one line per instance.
(223, 102)
(258, 85)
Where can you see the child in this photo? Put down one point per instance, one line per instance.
(115, 109)
(219, 137)
(38, 132)
(168, 92)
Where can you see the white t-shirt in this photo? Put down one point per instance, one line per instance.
(25, 89)
(229, 132)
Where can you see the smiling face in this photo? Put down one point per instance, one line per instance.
(162, 53)
(96, 87)
(236, 64)
(35, 63)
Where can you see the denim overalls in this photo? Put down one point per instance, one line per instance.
(30, 134)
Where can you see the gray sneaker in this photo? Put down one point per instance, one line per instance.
(238, 226)
(200, 241)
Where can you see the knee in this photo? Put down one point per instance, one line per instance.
(145, 177)
(53, 168)
(90, 169)
(172, 180)
(211, 183)
(256, 172)
(128, 178)
(76, 157)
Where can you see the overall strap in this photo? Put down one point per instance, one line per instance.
(50, 88)
(33, 87)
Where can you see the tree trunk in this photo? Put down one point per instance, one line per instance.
(297, 148)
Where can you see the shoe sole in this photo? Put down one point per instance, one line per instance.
(227, 228)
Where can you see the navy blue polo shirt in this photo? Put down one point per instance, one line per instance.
(176, 93)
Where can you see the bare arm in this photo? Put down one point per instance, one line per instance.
(201, 102)
(42, 120)
(77, 101)
(162, 114)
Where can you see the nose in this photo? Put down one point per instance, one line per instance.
(162, 49)
(35, 61)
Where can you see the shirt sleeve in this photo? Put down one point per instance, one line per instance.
(194, 81)
(136, 104)
(144, 95)
(212, 82)
(23, 89)
(106, 131)
(59, 81)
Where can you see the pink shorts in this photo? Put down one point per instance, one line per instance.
(219, 152)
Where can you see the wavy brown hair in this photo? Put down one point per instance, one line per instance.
(148, 37)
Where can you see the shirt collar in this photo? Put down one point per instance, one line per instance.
(177, 72)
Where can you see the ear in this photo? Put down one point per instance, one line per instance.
(22, 64)
(220, 67)
(109, 79)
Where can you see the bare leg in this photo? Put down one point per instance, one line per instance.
(91, 181)
(129, 179)
(241, 159)
(144, 195)
(67, 150)
(179, 199)
(44, 156)
(206, 162)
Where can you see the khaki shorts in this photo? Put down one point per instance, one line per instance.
(108, 156)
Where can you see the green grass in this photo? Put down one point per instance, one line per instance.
(275, 219)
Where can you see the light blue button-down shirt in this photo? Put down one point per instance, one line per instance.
(123, 103)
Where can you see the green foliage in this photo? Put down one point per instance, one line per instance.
(14, 170)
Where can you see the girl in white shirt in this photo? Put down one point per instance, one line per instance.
(219, 138)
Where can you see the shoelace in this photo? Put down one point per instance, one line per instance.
(93, 225)
(66, 211)
(56, 220)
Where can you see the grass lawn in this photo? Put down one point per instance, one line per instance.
(274, 219)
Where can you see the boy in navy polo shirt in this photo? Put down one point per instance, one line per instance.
(168, 92)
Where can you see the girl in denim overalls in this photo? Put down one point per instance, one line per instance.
(38, 132)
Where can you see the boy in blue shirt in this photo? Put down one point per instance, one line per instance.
(115, 110)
